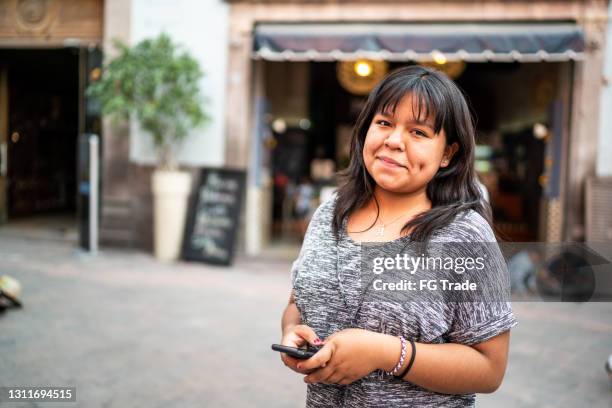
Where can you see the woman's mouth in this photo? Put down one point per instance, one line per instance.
(387, 161)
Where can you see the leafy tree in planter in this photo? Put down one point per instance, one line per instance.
(157, 83)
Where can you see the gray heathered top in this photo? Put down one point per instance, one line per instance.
(326, 282)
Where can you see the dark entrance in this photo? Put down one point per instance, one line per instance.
(43, 121)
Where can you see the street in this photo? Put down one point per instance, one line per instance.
(128, 331)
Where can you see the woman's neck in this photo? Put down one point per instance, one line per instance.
(394, 204)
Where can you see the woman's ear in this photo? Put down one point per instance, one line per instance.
(449, 152)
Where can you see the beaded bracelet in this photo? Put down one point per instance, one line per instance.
(412, 357)
(402, 358)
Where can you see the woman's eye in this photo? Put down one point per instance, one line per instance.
(420, 133)
(383, 122)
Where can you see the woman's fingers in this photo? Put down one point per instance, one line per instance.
(307, 334)
(319, 359)
(322, 375)
(328, 375)
(292, 363)
(335, 378)
(289, 361)
(293, 340)
(296, 337)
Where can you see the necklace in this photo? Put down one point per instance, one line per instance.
(381, 229)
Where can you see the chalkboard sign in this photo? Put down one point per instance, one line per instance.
(213, 216)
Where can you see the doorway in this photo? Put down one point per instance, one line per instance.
(40, 107)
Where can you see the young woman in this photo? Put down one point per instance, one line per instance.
(411, 179)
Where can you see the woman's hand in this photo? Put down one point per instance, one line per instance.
(346, 356)
(297, 336)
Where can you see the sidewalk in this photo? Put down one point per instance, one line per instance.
(128, 331)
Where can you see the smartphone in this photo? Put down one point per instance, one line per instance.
(294, 352)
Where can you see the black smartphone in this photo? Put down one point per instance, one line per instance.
(294, 352)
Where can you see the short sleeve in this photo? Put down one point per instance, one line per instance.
(475, 322)
(488, 313)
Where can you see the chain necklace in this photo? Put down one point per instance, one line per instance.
(381, 229)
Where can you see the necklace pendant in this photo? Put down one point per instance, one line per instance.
(381, 231)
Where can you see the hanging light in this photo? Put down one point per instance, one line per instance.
(359, 77)
(438, 57)
(363, 68)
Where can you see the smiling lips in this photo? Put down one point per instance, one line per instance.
(390, 162)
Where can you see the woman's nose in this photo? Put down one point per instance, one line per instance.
(395, 141)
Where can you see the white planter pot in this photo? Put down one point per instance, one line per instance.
(170, 194)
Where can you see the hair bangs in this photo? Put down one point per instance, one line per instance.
(427, 102)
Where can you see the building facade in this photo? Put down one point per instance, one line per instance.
(569, 155)
(276, 108)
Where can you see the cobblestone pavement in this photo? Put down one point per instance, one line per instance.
(128, 331)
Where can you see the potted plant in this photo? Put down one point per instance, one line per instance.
(157, 83)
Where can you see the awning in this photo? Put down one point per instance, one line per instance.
(419, 42)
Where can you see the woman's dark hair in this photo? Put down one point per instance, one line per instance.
(454, 188)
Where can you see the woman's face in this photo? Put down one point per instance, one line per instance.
(403, 154)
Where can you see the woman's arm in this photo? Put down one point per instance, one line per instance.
(295, 334)
(446, 368)
(291, 315)
(455, 368)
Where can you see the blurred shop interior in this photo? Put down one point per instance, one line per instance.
(312, 107)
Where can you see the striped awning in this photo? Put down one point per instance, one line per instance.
(419, 42)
